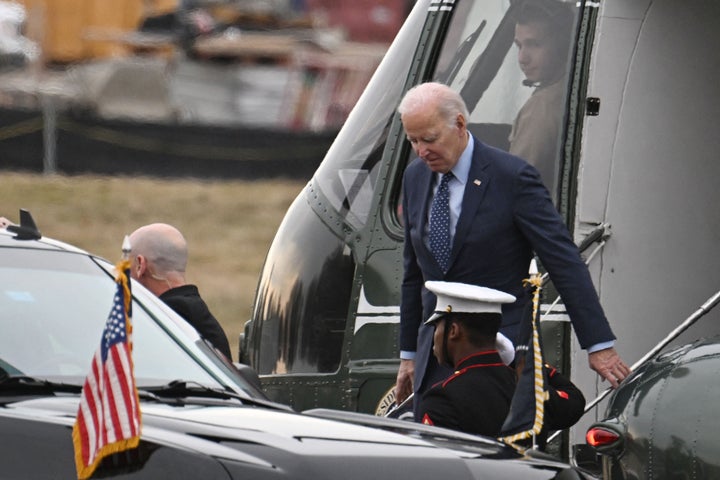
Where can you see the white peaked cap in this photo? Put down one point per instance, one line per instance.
(453, 297)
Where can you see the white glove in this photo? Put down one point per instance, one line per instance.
(505, 348)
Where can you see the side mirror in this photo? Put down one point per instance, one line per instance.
(242, 343)
(251, 377)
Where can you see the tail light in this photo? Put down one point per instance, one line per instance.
(605, 438)
(600, 437)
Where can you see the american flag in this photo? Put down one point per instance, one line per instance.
(108, 418)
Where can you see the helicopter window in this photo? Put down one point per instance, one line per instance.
(510, 59)
(348, 174)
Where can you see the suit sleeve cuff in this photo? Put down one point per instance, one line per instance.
(600, 346)
(405, 355)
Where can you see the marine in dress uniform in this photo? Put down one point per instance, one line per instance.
(476, 397)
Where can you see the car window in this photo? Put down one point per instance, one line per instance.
(53, 307)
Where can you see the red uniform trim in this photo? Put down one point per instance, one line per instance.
(478, 354)
(463, 370)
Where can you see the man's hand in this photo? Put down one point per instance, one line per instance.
(608, 364)
(404, 383)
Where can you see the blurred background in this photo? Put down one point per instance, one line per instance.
(239, 85)
(210, 115)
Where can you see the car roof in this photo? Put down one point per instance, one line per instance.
(11, 240)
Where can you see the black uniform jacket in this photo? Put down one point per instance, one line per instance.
(186, 301)
(475, 399)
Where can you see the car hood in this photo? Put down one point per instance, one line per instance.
(310, 446)
(231, 422)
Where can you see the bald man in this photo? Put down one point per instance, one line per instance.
(159, 259)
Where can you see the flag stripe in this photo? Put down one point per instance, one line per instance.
(83, 432)
(128, 393)
(92, 403)
(109, 407)
(121, 393)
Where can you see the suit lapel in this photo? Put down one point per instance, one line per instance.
(425, 192)
(475, 189)
(421, 196)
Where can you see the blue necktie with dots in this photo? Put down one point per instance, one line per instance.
(439, 232)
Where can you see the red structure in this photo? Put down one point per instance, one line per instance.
(363, 20)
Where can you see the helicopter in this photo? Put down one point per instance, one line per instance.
(633, 175)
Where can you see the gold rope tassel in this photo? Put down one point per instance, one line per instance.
(541, 394)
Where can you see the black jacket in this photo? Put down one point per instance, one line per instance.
(186, 301)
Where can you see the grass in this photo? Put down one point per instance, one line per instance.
(229, 225)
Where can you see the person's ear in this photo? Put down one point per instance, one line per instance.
(460, 121)
(454, 330)
(140, 265)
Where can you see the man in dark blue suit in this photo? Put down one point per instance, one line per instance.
(500, 213)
